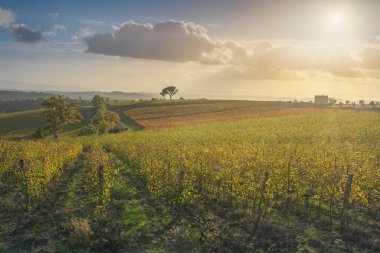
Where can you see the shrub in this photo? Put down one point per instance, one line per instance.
(88, 130)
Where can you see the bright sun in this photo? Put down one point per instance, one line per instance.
(337, 19)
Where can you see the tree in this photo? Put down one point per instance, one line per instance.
(170, 90)
(361, 102)
(347, 102)
(332, 101)
(39, 134)
(163, 94)
(98, 102)
(60, 111)
(105, 120)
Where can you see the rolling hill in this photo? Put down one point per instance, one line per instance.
(11, 95)
(137, 115)
(261, 176)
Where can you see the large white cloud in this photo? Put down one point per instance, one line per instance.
(179, 41)
(266, 62)
(170, 40)
(6, 18)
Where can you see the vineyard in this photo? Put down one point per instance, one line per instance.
(307, 181)
(161, 114)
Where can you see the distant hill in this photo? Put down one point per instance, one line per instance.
(22, 95)
(139, 115)
(9, 95)
(118, 95)
(20, 105)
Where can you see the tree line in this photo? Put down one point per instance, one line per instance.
(62, 111)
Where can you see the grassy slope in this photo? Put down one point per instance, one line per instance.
(158, 114)
(22, 125)
(153, 114)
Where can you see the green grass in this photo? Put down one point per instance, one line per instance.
(23, 125)
(20, 124)
(137, 115)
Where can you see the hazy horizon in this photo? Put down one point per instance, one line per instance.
(156, 94)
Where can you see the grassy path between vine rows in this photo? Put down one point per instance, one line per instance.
(42, 229)
(67, 220)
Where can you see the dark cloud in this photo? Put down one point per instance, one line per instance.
(23, 33)
(170, 41)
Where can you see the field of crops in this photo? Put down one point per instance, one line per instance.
(306, 181)
(161, 114)
(263, 164)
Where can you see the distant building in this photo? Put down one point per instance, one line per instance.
(321, 100)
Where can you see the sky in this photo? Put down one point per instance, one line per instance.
(207, 48)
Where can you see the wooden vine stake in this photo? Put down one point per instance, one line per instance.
(101, 181)
(24, 175)
(181, 177)
(346, 198)
(262, 199)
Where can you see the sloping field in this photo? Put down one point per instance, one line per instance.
(168, 113)
(21, 125)
(267, 184)
(156, 114)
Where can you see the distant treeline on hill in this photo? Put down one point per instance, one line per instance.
(16, 101)
(117, 95)
(23, 95)
(20, 105)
